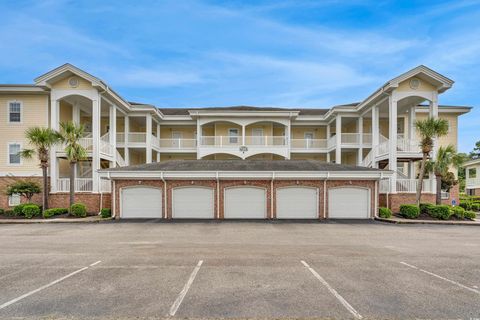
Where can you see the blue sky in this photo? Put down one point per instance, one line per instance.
(189, 53)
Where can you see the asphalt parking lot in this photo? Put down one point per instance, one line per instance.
(239, 270)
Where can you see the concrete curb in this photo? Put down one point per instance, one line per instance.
(439, 222)
(58, 220)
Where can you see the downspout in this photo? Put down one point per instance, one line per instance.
(271, 195)
(114, 200)
(325, 196)
(164, 194)
(218, 194)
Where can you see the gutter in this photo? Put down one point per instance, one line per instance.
(271, 194)
(325, 196)
(218, 194)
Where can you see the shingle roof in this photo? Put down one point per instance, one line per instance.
(242, 165)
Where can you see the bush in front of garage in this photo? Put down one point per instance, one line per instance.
(106, 213)
(426, 207)
(79, 210)
(440, 212)
(31, 210)
(54, 212)
(409, 211)
(384, 212)
(470, 215)
(458, 212)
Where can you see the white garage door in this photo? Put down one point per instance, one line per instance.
(245, 203)
(297, 203)
(193, 202)
(141, 202)
(348, 203)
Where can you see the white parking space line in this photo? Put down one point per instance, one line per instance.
(442, 278)
(6, 304)
(333, 291)
(185, 289)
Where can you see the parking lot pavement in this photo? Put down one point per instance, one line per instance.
(241, 270)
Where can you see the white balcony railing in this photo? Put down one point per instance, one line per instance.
(410, 185)
(308, 144)
(120, 137)
(137, 137)
(105, 146)
(87, 143)
(407, 145)
(178, 144)
(367, 138)
(265, 141)
(350, 138)
(472, 182)
(332, 141)
(155, 142)
(81, 185)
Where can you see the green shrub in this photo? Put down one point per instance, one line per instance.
(384, 212)
(426, 207)
(54, 212)
(458, 212)
(78, 210)
(2, 211)
(440, 212)
(106, 212)
(409, 211)
(31, 210)
(9, 213)
(18, 209)
(466, 205)
(470, 215)
(475, 206)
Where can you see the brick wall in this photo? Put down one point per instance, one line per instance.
(93, 201)
(395, 200)
(6, 181)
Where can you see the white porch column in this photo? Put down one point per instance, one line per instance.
(360, 132)
(288, 141)
(433, 113)
(158, 139)
(243, 134)
(148, 138)
(338, 139)
(54, 124)
(112, 117)
(411, 169)
(392, 137)
(76, 113)
(96, 142)
(412, 129)
(375, 134)
(328, 137)
(126, 130)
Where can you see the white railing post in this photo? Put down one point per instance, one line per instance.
(360, 143)
(338, 133)
(392, 127)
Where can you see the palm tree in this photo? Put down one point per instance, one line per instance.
(70, 134)
(428, 129)
(41, 139)
(446, 157)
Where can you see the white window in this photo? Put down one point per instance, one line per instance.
(13, 200)
(13, 153)
(14, 112)
(233, 134)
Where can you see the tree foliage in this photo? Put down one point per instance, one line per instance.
(24, 188)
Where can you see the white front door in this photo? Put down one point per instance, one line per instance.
(176, 137)
(348, 203)
(193, 203)
(257, 136)
(141, 202)
(297, 203)
(308, 139)
(245, 203)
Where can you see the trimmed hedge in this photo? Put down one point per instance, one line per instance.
(384, 212)
(78, 210)
(106, 213)
(2, 211)
(440, 212)
(426, 207)
(470, 215)
(31, 210)
(475, 206)
(54, 212)
(17, 210)
(458, 212)
(409, 211)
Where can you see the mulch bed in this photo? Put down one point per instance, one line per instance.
(64, 216)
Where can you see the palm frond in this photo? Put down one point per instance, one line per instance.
(70, 134)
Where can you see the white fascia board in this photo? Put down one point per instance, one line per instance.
(247, 175)
(459, 110)
(471, 163)
(213, 113)
(22, 89)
